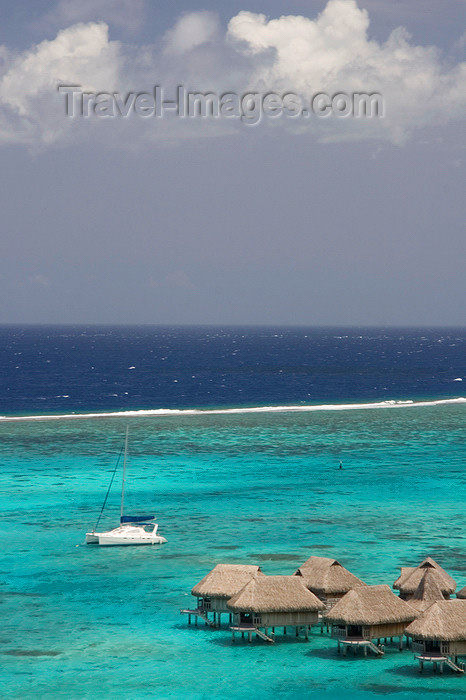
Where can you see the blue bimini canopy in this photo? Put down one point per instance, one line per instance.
(136, 518)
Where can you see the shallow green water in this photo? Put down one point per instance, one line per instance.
(84, 622)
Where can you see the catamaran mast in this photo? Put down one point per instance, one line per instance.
(124, 475)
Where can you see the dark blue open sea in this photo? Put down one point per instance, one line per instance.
(236, 435)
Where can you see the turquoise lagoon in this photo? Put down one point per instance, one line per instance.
(262, 488)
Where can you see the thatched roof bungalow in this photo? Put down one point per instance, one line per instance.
(327, 579)
(427, 592)
(410, 578)
(223, 582)
(369, 612)
(217, 587)
(462, 593)
(439, 634)
(274, 601)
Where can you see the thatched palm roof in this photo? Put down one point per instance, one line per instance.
(427, 592)
(370, 605)
(405, 573)
(410, 578)
(225, 580)
(461, 593)
(444, 621)
(265, 594)
(325, 576)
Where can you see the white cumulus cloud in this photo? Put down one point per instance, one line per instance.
(31, 110)
(331, 53)
(191, 30)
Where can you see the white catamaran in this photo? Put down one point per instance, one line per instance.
(133, 529)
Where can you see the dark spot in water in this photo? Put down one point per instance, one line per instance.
(318, 520)
(385, 689)
(254, 520)
(31, 652)
(273, 557)
(228, 546)
(20, 594)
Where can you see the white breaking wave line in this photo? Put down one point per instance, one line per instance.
(158, 412)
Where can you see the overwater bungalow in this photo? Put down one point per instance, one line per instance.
(327, 579)
(410, 578)
(216, 588)
(439, 634)
(427, 592)
(462, 593)
(369, 613)
(267, 602)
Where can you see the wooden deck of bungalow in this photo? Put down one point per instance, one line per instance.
(359, 642)
(250, 629)
(203, 614)
(438, 661)
(365, 642)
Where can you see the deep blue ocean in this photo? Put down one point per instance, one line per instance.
(72, 369)
(236, 435)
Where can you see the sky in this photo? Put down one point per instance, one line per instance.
(247, 217)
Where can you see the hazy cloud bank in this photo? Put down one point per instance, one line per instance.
(330, 53)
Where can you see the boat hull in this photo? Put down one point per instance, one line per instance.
(126, 541)
(92, 538)
(128, 535)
